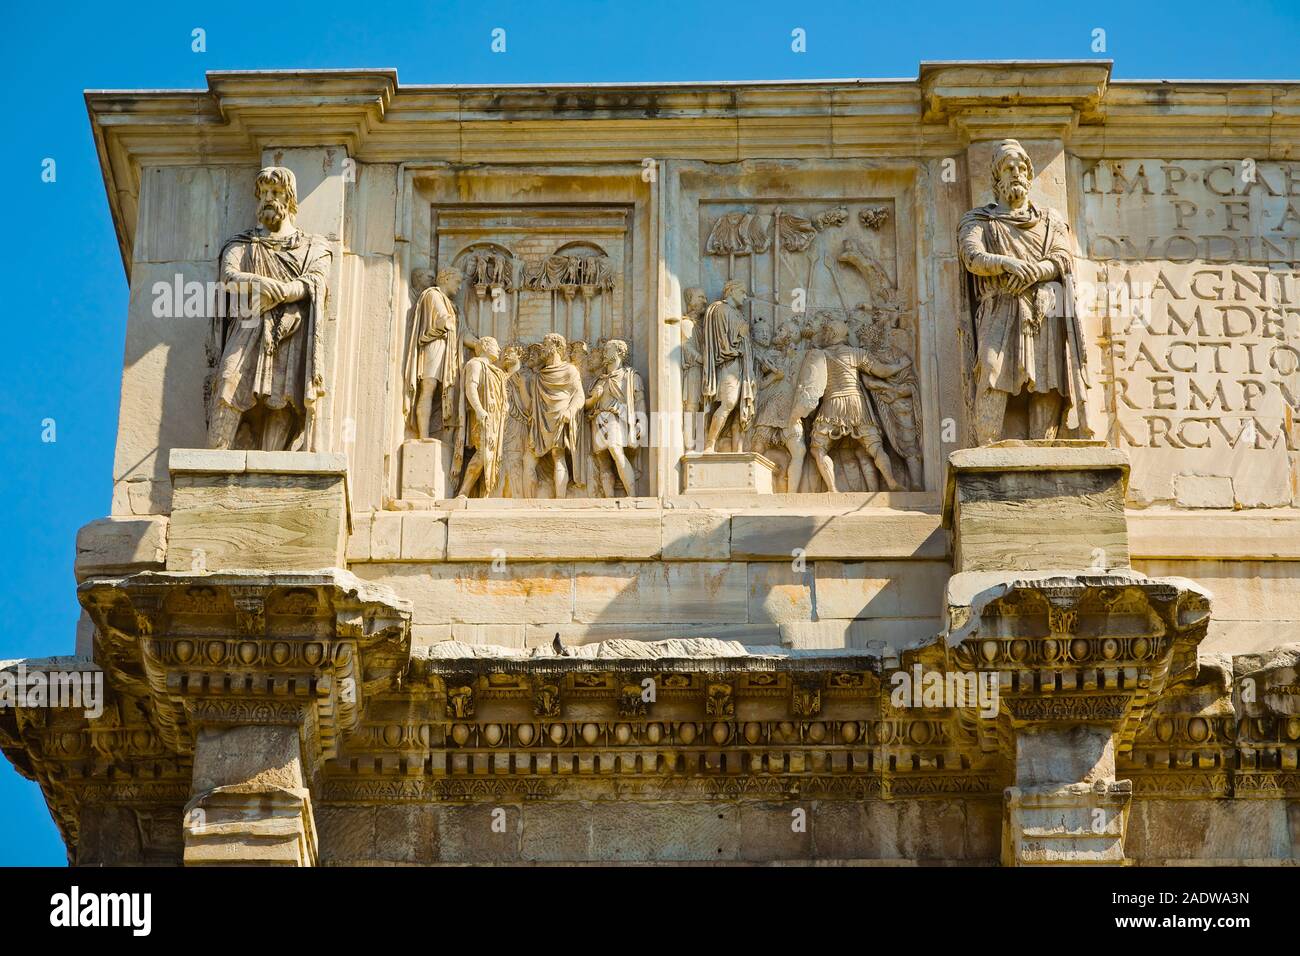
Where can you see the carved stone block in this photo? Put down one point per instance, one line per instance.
(426, 463)
(1020, 506)
(290, 513)
(743, 472)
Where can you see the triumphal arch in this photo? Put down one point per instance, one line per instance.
(897, 470)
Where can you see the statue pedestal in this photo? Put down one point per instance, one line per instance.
(263, 510)
(426, 463)
(1033, 505)
(1043, 607)
(744, 472)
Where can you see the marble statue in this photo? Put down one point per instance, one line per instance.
(271, 369)
(1020, 261)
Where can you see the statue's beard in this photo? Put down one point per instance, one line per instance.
(1014, 192)
(272, 214)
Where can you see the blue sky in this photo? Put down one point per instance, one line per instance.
(64, 327)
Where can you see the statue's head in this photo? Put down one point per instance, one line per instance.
(578, 350)
(696, 301)
(511, 355)
(1013, 172)
(615, 353)
(762, 331)
(421, 279)
(276, 189)
(449, 280)
(834, 332)
(488, 346)
(735, 292)
(554, 348)
(786, 333)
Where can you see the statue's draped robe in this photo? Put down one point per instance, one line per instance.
(433, 352)
(275, 359)
(619, 397)
(556, 399)
(487, 434)
(1022, 340)
(691, 371)
(518, 424)
(584, 473)
(726, 340)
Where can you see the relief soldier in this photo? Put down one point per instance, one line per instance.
(774, 435)
(845, 411)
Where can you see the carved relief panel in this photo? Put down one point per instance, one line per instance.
(525, 372)
(798, 336)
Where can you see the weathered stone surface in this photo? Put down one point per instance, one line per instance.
(853, 536)
(120, 545)
(546, 536)
(880, 589)
(525, 593)
(1025, 506)
(424, 537)
(726, 473)
(779, 593)
(691, 535)
(661, 833)
(598, 666)
(1241, 536)
(275, 521)
(674, 593)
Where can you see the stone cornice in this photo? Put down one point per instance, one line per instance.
(987, 100)
(376, 119)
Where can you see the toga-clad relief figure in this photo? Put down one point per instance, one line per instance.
(689, 324)
(434, 357)
(486, 400)
(270, 374)
(514, 443)
(727, 367)
(556, 399)
(616, 406)
(775, 437)
(1020, 261)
